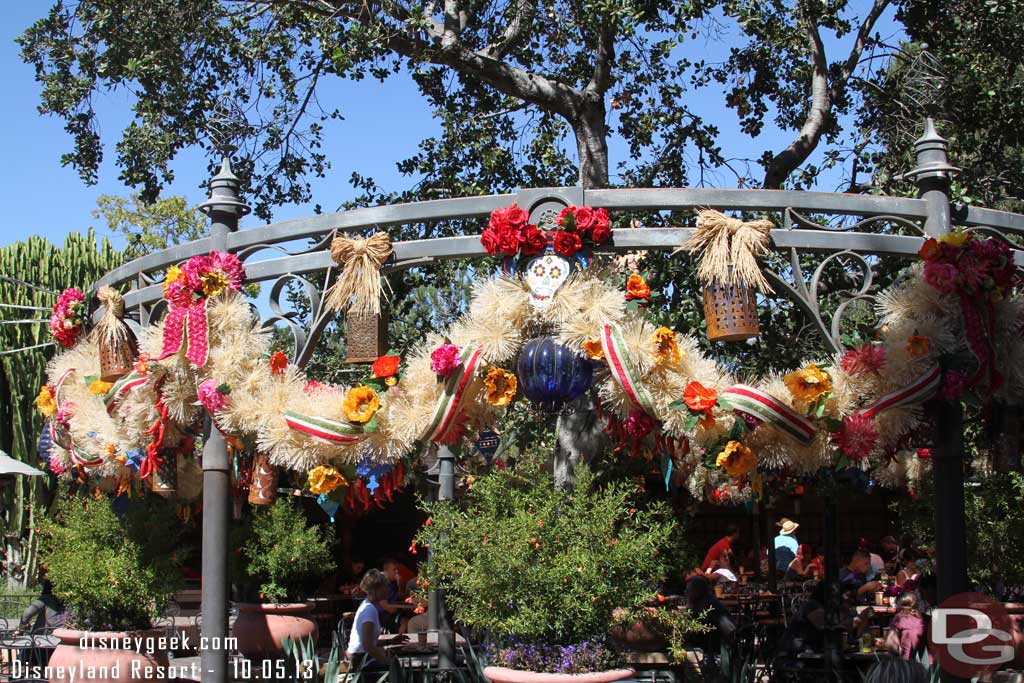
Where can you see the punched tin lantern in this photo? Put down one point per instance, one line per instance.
(551, 375)
(730, 312)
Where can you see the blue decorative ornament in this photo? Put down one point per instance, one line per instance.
(551, 375)
(487, 443)
(44, 446)
(372, 472)
(329, 506)
(134, 458)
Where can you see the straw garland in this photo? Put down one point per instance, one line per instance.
(359, 285)
(111, 328)
(729, 248)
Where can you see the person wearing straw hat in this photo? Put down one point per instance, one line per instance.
(786, 544)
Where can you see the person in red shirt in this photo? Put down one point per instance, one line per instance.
(732, 534)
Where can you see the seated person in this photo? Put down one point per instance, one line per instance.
(43, 613)
(806, 632)
(392, 608)
(723, 573)
(909, 572)
(700, 599)
(364, 645)
(853, 577)
(906, 631)
(801, 567)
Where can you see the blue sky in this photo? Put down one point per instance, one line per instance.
(383, 124)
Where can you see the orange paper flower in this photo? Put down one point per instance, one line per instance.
(809, 384)
(278, 363)
(361, 404)
(324, 479)
(637, 288)
(736, 459)
(917, 346)
(46, 402)
(594, 349)
(665, 347)
(501, 386)
(385, 366)
(699, 398)
(930, 250)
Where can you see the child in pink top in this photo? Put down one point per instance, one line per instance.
(907, 628)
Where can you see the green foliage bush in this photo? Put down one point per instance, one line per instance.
(526, 560)
(112, 573)
(284, 553)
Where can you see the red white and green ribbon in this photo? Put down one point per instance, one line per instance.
(450, 402)
(187, 320)
(918, 391)
(61, 435)
(121, 387)
(624, 368)
(765, 407)
(325, 429)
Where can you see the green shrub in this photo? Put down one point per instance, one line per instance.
(284, 553)
(528, 561)
(109, 571)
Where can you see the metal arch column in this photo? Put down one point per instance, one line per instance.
(224, 209)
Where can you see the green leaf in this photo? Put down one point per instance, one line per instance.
(371, 427)
(833, 424)
(738, 427)
(819, 409)
(691, 422)
(678, 404)
(724, 404)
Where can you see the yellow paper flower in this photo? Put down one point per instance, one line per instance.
(100, 387)
(361, 404)
(324, 479)
(173, 275)
(214, 283)
(665, 347)
(736, 459)
(957, 238)
(46, 402)
(809, 384)
(501, 386)
(594, 349)
(917, 345)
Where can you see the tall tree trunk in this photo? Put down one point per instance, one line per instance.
(592, 143)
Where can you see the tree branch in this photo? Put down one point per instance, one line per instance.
(516, 30)
(601, 79)
(853, 59)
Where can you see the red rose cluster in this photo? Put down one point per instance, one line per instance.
(580, 224)
(509, 232)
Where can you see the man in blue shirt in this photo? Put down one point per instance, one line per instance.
(786, 544)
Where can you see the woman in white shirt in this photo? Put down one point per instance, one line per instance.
(724, 573)
(364, 639)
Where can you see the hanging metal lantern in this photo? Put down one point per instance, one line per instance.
(551, 374)
(730, 312)
(164, 479)
(366, 337)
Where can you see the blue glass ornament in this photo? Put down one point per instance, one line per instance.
(329, 506)
(551, 375)
(44, 446)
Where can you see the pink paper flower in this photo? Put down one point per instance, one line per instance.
(639, 424)
(864, 359)
(857, 438)
(212, 396)
(56, 467)
(941, 276)
(65, 412)
(67, 318)
(444, 359)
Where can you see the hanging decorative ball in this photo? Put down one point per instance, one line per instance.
(551, 374)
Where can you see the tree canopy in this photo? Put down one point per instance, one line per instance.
(522, 90)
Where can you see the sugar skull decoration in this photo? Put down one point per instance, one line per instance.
(544, 275)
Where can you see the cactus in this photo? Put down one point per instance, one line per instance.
(78, 263)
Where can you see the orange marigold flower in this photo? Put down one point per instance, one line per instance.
(324, 479)
(930, 250)
(278, 363)
(665, 347)
(917, 346)
(809, 384)
(361, 404)
(594, 349)
(637, 288)
(385, 366)
(501, 386)
(100, 387)
(46, 401)
(736, 459)
(699, 398)
(142, 365)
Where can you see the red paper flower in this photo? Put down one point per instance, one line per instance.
(586, 218)
(863, 359)
(699, 398)
(567, 243)
(444, 359)
(931, 250)
(278, 363)
(639, 424)
(857, 438)
(385, 366)
(534, 240)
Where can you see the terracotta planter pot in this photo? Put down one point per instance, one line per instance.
(261, 629)
(499, 674)
(101, 661)
(638, 638)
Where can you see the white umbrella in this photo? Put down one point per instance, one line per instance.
(10, 466)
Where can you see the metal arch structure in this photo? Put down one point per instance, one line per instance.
(862, 227)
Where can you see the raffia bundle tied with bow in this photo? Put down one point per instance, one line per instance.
(116, 341)
(729, 249)
(359, 285)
